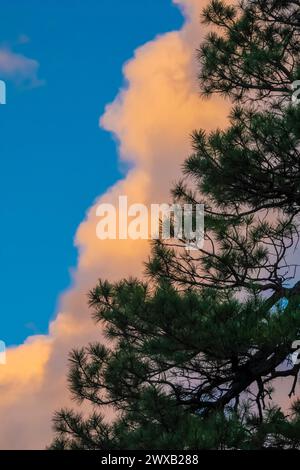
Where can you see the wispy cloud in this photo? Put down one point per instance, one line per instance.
(17, 67)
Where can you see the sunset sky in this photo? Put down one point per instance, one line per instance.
(102, 97)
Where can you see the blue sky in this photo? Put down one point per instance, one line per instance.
(54, 158)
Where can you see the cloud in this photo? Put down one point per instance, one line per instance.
(151, 118)
(18, 68)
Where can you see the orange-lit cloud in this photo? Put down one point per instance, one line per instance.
(152, 118)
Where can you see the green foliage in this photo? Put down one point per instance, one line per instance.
(192, 358)
(172, 353)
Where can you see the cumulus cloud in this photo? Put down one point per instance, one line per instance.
(18, 68)
(151, 118)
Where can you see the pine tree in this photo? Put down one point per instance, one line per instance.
(193, 358)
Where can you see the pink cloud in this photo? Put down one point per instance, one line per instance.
(18, 68)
